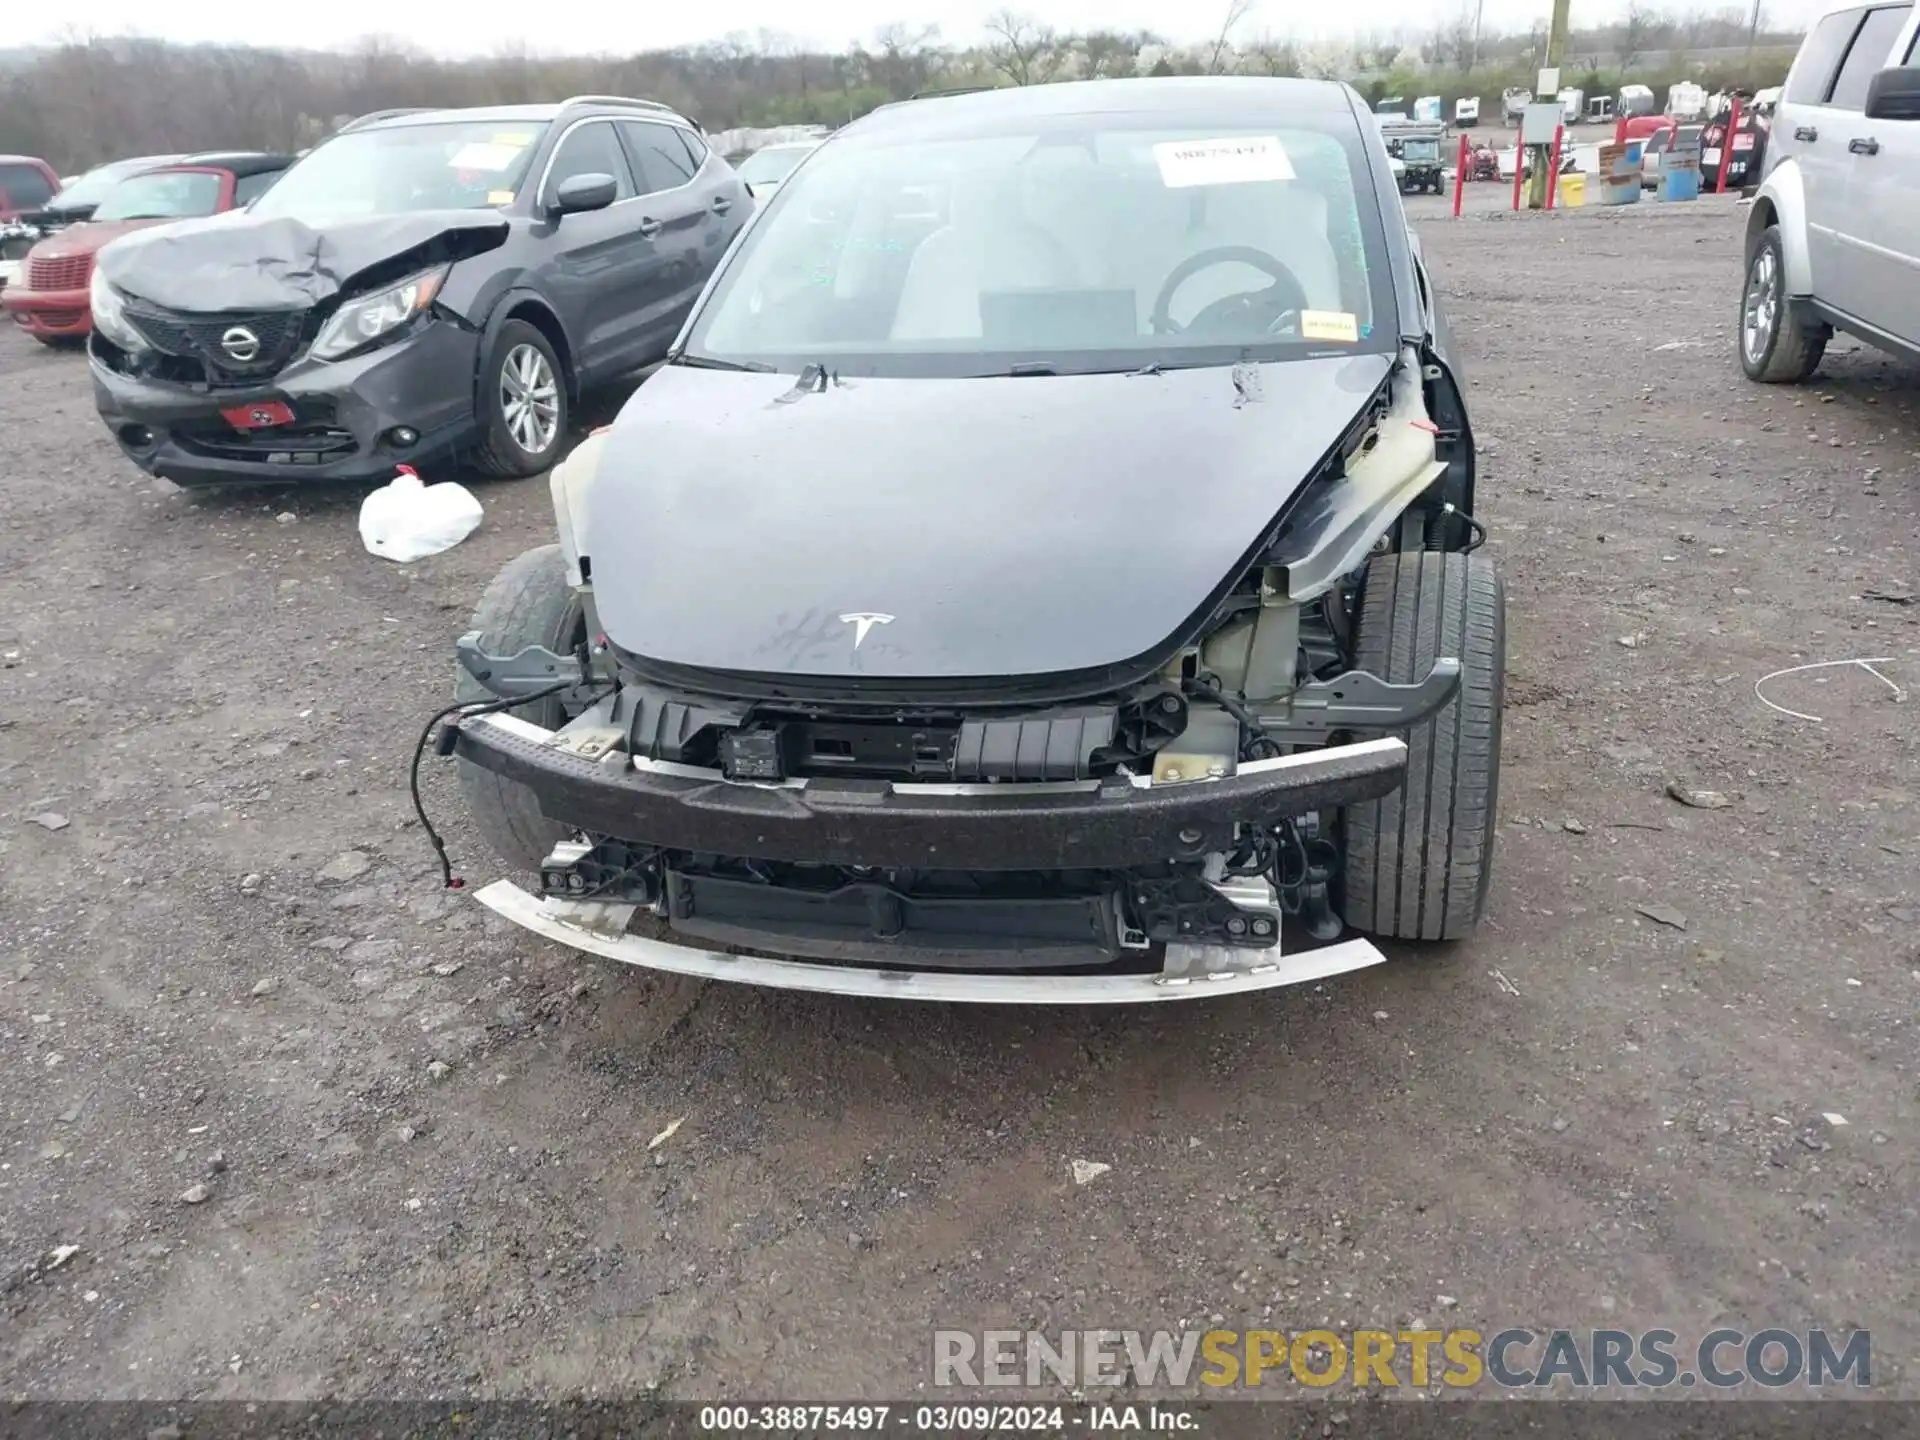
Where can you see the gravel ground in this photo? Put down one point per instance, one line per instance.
(316, 1127)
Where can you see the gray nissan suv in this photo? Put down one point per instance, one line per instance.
(425, 286)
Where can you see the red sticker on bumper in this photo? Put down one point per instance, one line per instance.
(262, 415)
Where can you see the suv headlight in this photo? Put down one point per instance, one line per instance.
(365, 320)
(110, 314)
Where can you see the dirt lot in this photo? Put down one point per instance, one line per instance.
(329, 1131)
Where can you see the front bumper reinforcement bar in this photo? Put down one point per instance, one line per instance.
(1117, 823)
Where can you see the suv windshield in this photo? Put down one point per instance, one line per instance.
(163, 195)
(464, 165)
(1108, 242)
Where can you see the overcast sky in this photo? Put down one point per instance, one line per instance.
(462, 27)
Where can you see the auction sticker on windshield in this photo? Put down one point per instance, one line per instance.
(1329, 325)
(1231, 160)
(484, 156)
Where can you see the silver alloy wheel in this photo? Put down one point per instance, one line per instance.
(530, 399)
(1761, 313)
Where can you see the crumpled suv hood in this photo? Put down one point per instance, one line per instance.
(239, 261)
(939, 529)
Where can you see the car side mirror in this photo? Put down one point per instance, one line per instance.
(1894, 94)
(581, 193)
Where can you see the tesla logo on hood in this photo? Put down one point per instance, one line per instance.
(863, 621)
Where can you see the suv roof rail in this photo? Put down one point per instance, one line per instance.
(373, 115)
(629, 101)
(955, 90)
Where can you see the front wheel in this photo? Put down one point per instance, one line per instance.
(523, 403)
(528, 603)
(1775, 348)
(1418, 861)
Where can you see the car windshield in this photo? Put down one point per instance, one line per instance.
(92, 187)
(162, 195)
(23, 187)
(1108, 242)
(463, 165)
(770, 167)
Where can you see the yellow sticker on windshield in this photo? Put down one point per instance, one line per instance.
(499, 197)
(1329, 325)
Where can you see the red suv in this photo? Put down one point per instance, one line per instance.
(50, 298)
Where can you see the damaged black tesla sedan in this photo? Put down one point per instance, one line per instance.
(1045, 571)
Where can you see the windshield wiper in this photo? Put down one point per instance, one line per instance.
(709, 362)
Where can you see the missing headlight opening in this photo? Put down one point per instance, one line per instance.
(943, 759)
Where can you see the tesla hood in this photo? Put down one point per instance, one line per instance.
(933, 529)
(239, 261)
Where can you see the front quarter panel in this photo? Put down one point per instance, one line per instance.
(1782, 202)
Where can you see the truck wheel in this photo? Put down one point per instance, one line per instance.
(1418, 861)
(522, 403)
(1775, 349)
(528, 603)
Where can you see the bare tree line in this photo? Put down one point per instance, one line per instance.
(95, 98)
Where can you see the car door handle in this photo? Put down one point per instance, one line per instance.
(721, 204)
(1868, 146)
(1806, 133)
(650, 227)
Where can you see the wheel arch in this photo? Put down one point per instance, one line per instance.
(1782, 202)
(530, 307)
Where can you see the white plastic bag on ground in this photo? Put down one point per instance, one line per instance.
(407, 519)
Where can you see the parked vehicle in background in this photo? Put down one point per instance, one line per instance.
(1661, 143)
(1833, 237)
(26, 184)
(1419, 151)
(1514, 102)
(1392, 107)
(50, 298)
(1427, 108)
(1572, 104)
(1636, 100)
(1466, 111)
(1687, 101)
(77, 200)
(422, 286)
(1745, 153)
(17, 237)
(800, 720)
(764, 171)
(1599, 109)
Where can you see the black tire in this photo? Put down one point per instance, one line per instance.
(1783, 352)
(528, 603)
(62, 342)
(1418, 862)
(501, 452)
(1440, 186)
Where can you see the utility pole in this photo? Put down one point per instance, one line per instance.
(1543, 154)
(1753, 34)
(1479, 9)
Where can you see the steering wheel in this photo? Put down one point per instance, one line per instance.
(1270, 306)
